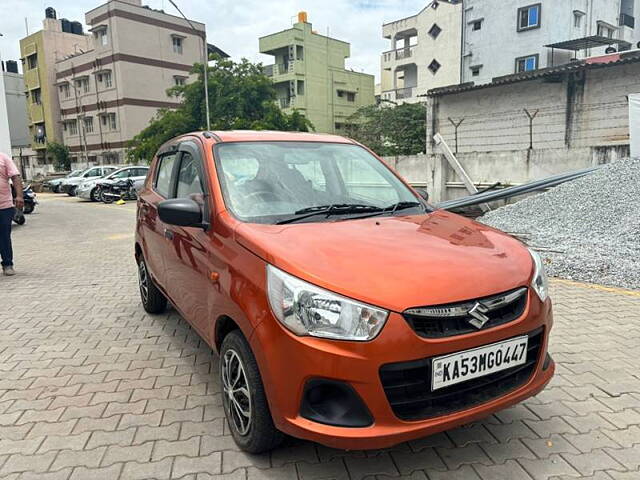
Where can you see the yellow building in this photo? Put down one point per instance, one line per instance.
(40, 51)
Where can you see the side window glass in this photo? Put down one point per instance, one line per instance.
(189, 181)
(163, 175)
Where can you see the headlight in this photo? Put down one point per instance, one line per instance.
(540, 283)
(309, 310)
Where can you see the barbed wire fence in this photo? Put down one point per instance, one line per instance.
(537, 127)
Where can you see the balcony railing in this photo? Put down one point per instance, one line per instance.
(406, 92)
(399, 54)
(278, 69)
(285, 102)
(627, 20)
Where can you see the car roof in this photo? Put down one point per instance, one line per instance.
(273, 136)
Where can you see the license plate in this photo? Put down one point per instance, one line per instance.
(462, 366)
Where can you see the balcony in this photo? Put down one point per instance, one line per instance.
(36, 113)
(280, 69)
(399, 55)
(32, 79)
(402, 93)
(627, 20)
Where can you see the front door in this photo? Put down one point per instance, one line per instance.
(191, 267)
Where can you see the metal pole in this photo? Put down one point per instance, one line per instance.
(205, 77)
(531, 117)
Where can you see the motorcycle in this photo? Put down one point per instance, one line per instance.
(30, 201)
(121, 190)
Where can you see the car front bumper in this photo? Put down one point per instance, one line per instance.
(358, 365)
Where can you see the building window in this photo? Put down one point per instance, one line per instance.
(104, 39)
(36, 96)
(83, 84)
(475, 71)
(179, 81)
(435, 31)
(106, 78)
(112, 121)
(177, 44)
(477, 25)
(605, 30)
(88, 124)
(300, 87)
(529, 17)
(577, 19)
(350, 96)
(73, 127)
(526, 64)
(434, 66)
(32, 61)
(64, 90)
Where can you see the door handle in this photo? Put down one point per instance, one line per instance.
(168, 234)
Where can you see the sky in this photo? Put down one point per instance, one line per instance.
(235, 26)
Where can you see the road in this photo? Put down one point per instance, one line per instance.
(93, 387)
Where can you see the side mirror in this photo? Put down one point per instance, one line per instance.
(182, 212)
(423, 193)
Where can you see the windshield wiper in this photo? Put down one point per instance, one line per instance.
(390, 209)
(329, 210)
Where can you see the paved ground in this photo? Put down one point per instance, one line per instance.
(91, 387)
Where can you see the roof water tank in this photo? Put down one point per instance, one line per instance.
(12, 66)
(50, 12)
(66, 25)
(76, 27)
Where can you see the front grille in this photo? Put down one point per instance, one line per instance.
(454, 319)
(408, 385)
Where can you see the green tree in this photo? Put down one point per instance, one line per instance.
(60, 154)
(241, 96)
(390, 130)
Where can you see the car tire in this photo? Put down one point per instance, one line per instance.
(93, 196)
(72, 191)
(152, 298)
(56, 189)
(28, 208)
(253, 429)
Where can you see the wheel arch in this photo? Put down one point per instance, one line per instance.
(224, 325)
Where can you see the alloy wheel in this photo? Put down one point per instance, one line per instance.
(237, 396)
(143, 281)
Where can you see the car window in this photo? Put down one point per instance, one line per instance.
(189, 181)
(163, 175)
(362, 181)
(121, 174)
(139, 172)
(94, 172)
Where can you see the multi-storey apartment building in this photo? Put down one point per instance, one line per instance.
(310, 75)
(40, 51)
(109, 93)
(424, 54)
(503, 37)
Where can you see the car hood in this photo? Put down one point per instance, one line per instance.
(396, 262)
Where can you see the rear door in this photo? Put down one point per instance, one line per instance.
(151, 229)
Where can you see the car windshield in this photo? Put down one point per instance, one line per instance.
(75, 173)
(286, 182)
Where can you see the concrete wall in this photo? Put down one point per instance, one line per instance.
(509, 168)
(499, 32)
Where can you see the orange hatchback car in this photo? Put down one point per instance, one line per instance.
(345, 309)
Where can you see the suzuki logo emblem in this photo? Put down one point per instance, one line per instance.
(478, 313)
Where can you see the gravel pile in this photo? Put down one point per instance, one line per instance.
(587, 229)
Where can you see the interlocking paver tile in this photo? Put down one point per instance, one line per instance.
(542, 469)
(589, 463)
(138, 471)
(85, 458)
(102, 438)
(234, 459)
(288, 472)
(361, 467)
(510, 470)
(544, 447)
(104, 473)
(586, 442)
(187, 448)
(299, 452)
(120, 454)
(66, 442)
(205, 464)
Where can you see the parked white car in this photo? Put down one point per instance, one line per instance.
(88, 189)
(54, 184)
(70, 185)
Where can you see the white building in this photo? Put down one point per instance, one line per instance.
(503, 37)
(424, 54)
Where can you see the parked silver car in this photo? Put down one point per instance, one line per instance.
(70, 185)
(89, 189)
(54, 183)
